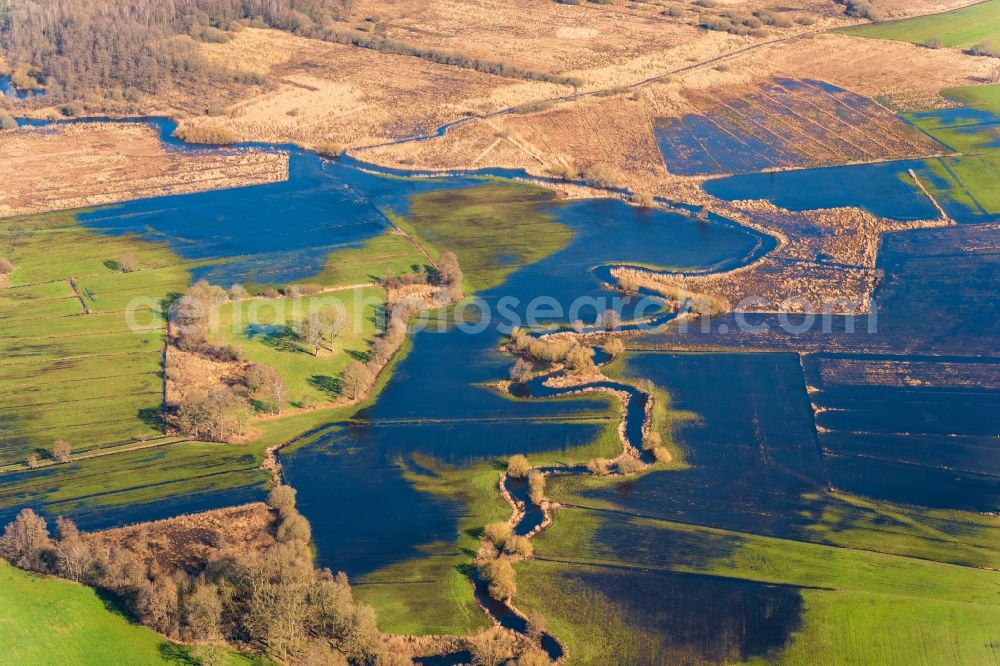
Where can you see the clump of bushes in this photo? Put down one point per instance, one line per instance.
(602, 175)
(331, 149)
(859, 9)
(6, 267)
(565, 350)
(985, 49)
(518, 466)
(206, 134)
(7, 121)
(536, 486)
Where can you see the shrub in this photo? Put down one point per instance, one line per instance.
(294, 528)
(614, 346)
(859, 9)
(673, 11)
(250, 78)
(598, 466)
(500, 578)
(644, 199)
(355, 381)
(215, 111)
(805, 20)
(562, 172)
(536, 484)
(281, 497)
(652, 440)
(602, 175)
(629, 465)
(718, 24)
(707, 4)
(128, 262)
(533, 657)
(932, 43)
(497, 533)
(206, 134)
(519, 546)
(61, 450)
(985, 49)
(7, 121)
(518, 466)
(662, 455)
(6, 267)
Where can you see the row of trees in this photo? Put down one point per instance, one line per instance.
(274, 599)
(79, 46)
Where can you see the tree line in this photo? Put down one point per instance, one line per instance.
(77, 46)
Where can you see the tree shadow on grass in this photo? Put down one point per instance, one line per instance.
(327, 384)
(177, 654)
(361, 356)
(279, 338)
(152, 417)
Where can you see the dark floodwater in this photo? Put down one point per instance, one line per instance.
(432, 405)
(717, 141)
(885, 189)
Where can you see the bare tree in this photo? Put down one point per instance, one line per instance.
(128, 262)
(202, 613)
(266, 386)
(61, 450)
(520, 372)
(355, 381)
(25, 540)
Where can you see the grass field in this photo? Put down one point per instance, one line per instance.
(388, 253)
(73, 365)
(962, 28)
(50, 622)
(264, 331)
(493, 228)
(980, 97)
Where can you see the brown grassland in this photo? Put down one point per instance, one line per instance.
(89, 164)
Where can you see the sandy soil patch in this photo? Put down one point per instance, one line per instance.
(90, 164)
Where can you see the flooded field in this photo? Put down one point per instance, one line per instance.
(783, 123)
(868, 450)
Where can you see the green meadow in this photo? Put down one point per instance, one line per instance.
(51, 622)
(962, 28)
(266, 331)
(73, 366)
